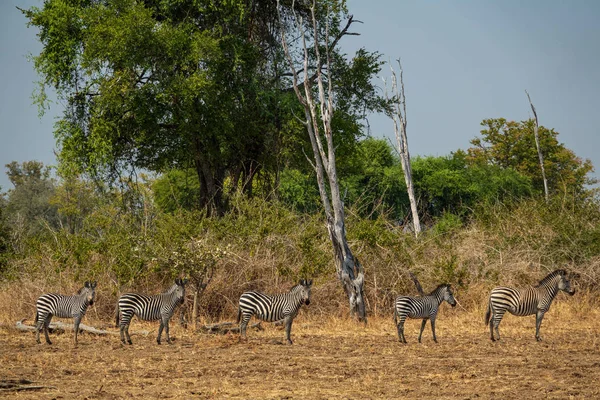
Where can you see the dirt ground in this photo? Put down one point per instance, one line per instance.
(330, 359)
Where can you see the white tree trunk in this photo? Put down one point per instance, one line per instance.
(537, 146)
(399, 118)
(318, 125)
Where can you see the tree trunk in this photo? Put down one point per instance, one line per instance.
(318, 124)
(211, 183)
(537, 146)
(399, 118)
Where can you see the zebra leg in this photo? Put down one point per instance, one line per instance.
(288, 328)
(495, 323)
(167, 332)
(243, 324)
(432, 328)
(77, 322)
(400, 327)
(122, 332)
(538, 323)
(127, 334)
(160, 329)
(39, 327)
(46, 329)
(422, 328)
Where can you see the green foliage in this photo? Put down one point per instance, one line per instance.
(450, 184)
(176, 190)
(447, 223)
(28, 208)
(510, 144)
(299, 191)
(373, 181)
(163, 85)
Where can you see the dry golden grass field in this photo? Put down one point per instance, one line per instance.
(332, 358)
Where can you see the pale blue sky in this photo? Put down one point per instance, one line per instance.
(463, 61)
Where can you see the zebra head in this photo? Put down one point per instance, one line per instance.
(179, 289)
(305, 290)
(564, 283)
(448, 295)
(88, 292)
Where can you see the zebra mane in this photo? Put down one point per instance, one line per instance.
(440, 287)
(551, 276)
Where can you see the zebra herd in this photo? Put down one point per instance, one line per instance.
(284, 307)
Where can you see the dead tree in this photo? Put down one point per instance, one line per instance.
(318, 113)
(398, 115)
(537, 146)
(417, 283)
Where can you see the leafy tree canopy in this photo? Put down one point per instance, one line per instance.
(199, 84)
(510, 144)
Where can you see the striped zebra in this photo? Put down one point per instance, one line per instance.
(425, 307)
(521, 302)
(149, 308)
(53, 304)
(273, 308)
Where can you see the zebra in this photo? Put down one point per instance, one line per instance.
(425, 307)
(53, 304)
(521, 302)
(272, 308)
(149, 308)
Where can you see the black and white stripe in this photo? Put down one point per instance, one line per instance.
(58, 305)
(521, 302)
(425, 307)
(150, 308)
(272, 308)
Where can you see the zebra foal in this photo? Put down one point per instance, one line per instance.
(53, 304)
(521, 302)
(424, 307)
(273, 308)
(149, 308)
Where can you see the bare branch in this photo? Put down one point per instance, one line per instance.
(537, 145)
(417, 283)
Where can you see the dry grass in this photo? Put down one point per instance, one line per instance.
(331, 358)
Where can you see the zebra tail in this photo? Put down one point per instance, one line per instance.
(488, 314)
(117, 316)
(239, 317)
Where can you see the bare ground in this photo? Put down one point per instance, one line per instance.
(330, 359)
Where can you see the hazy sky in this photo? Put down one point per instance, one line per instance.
(463, 61)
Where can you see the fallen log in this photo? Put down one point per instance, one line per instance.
(16, 385)
(61, 326)
(228, 327)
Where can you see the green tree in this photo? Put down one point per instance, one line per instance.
(510, 144)
(178, 84)
(176, 189)
(451, 184)
(28, 208)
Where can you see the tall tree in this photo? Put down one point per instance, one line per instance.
(399, 117)
(177, 84)
(28, 207)
(511, 144)
(157, 85)
(315, 91)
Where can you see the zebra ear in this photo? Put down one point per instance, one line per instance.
(184, 281)
(178, 281)
(94, 284)
(301, 282)
(86, 284)
(309, 283)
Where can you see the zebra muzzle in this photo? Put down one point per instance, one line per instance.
(307, 302)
